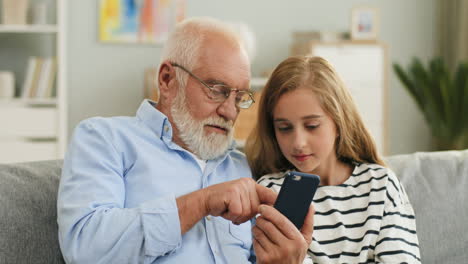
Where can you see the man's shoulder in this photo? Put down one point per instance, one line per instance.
(238, 158)
(235, 161)
(238, 155)
(111, 129)
(106, 123)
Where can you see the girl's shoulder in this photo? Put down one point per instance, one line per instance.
(368, 167)
(373, 169)
(384, 177)
(368, 171)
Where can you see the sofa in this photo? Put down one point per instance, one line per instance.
(436, 183)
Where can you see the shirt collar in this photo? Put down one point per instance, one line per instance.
(154, 119)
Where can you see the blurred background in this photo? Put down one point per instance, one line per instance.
(96, 78)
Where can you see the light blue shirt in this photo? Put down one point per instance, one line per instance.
(117, 196)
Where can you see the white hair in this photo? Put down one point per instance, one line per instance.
(184, 44)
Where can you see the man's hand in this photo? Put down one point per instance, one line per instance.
(236, 200)
(277, 240)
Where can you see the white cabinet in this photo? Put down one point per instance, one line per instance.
(23, 150)
(34, 128)
(20, 120)
(362, 66)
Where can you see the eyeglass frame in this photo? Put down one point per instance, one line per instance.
(226, 95)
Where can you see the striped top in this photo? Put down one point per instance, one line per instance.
(366, 219)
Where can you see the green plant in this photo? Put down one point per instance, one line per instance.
(442, 97)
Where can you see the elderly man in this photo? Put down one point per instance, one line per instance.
(167, 186)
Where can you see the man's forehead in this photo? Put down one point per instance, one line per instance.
(234, 77)
(229, 71)
(224, 51)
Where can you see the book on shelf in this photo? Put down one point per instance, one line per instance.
(35, 78)
(28, 80)
(40, 78)
(33, 72)
(46, 78)
(50, 88)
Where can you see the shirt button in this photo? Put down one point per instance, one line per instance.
(208, 217)
(166, 128)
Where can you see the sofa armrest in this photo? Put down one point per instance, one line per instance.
(28, 212)
(437, 184)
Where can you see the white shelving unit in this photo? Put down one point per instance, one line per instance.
(28, 29)
(34, 129)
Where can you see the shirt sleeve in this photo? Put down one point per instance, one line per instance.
(94, 225)
(397, 241)
(272, 181)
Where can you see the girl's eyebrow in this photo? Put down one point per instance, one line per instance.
(312, 116)
(280, 120)
(304, 118)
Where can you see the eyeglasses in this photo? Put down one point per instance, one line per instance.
(219, 92)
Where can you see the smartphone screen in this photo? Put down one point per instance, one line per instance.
(296, 195)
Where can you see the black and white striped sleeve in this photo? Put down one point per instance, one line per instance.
(397, 241)
(273, 181)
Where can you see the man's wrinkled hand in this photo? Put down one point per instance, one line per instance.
(237, 200)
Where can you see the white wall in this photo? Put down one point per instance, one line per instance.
(107, 79)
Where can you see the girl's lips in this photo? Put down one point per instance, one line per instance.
(301, 157)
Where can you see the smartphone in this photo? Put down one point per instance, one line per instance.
(296, 195)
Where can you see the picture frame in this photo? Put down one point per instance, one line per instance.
(365, 23)
(138, 21)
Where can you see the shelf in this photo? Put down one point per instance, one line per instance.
(28, 29)
(35, 128)
(38, 102)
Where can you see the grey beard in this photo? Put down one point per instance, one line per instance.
(192, 134)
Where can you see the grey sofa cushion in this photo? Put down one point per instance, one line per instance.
(437, 186)
(28, 214)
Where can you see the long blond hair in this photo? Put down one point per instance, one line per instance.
(354, 143)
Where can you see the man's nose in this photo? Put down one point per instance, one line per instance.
(228, 109)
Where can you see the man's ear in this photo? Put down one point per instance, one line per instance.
(167, 81)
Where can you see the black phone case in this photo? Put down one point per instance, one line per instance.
(296, 195)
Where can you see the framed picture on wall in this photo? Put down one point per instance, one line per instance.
(138, 21)
(365, 23)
